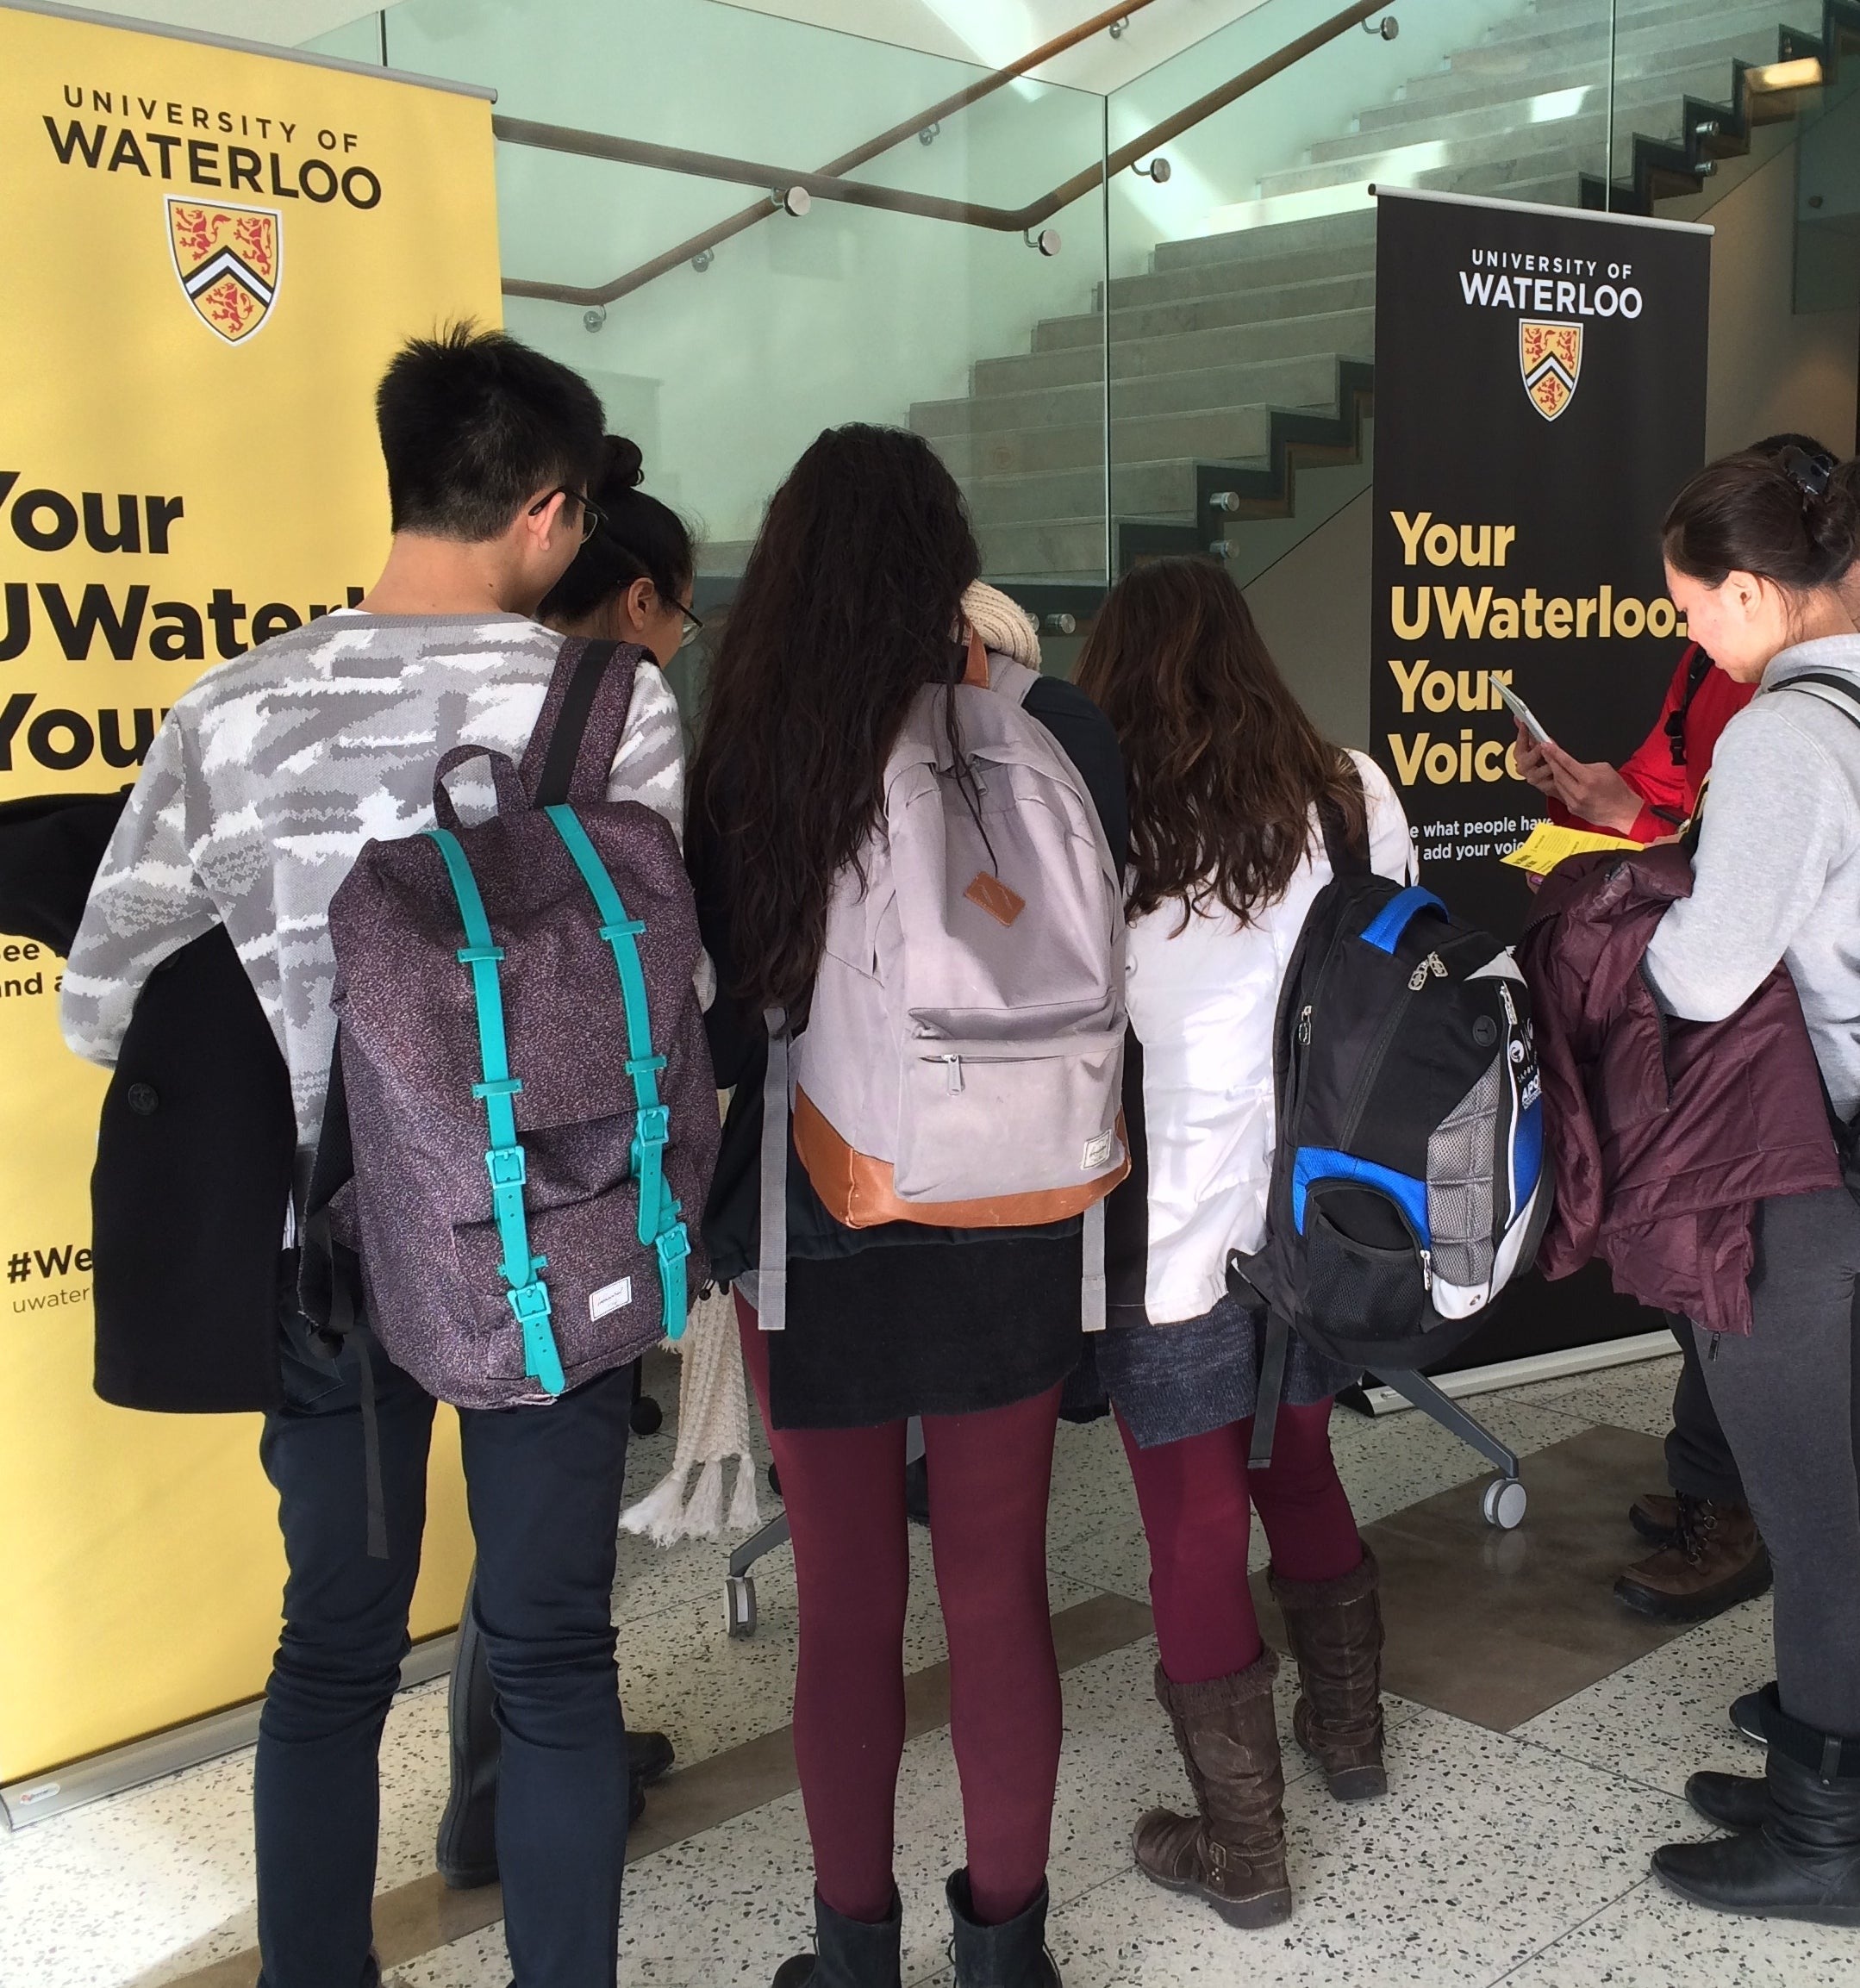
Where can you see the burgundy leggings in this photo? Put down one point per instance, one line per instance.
(991, 1476)
(1193, 1496)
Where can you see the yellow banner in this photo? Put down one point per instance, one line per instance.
(209, 255)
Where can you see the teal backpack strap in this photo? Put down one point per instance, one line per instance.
(504, 1161)
(660, 1229)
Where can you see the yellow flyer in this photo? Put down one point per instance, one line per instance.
(1548, 844)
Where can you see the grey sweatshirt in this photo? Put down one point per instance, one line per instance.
(1777, 874)
(271, 773)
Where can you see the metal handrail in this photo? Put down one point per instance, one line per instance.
(826, 184)
(699, 244)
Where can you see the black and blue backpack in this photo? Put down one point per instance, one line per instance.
(1409, 1184)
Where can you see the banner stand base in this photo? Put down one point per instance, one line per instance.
(186, 1746)
(1557, 1365)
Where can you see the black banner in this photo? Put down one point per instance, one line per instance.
(1540, 400)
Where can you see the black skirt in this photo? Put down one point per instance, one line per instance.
(924, 1330)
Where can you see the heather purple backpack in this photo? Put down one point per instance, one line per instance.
(531, 1106)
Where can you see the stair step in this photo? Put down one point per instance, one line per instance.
(1138, 490)
(1349, 332)
(1057, 549)
(1639, 105)
(1675, 19)
(1306, 380)
(1634, 51)
(1517, 77)
(1253, 305)
(1339, 231)
(1236, 434)
(1237, 275)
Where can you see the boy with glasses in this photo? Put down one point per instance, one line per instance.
(264, 782)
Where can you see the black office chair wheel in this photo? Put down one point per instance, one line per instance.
(647, 1416)
(775, 1481)
(740, 1589)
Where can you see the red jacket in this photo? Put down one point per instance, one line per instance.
(1664, 1134)
(1674, 790)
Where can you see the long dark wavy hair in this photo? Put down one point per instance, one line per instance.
(847, 606)
(1220, 763)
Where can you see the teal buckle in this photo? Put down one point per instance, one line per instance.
(673, 1244)
(541, 1362)
(654, 1125)
(530, 1302)
(507, 1165)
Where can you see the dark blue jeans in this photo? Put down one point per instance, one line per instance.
(544, 1490)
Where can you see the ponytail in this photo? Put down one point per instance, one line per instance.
(1791, 517)
(637, 538)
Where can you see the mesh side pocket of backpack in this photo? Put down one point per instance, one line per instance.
(1357, 1289)
(1462, 1159)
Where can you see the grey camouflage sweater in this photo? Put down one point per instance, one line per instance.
(271, 772)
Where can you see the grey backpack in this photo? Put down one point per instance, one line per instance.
(962, 1061)
(531, 1107)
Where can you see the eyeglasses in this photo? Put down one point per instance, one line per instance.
(592, 516)
(693, 627)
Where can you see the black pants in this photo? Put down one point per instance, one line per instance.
(1789, 1395)
(1698, 1458)
(544, 1488)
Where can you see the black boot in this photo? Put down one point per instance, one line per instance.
(1747, 1718)
(1010, 1956)
(847, 1953)
(1804, 1862)
(1730, 1801)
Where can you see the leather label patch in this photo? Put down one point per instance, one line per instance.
(1002, 905)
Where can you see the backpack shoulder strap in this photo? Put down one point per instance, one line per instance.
(1698, 668)
(583, 720)
(1010, 679)
(1826, 687)
(1346, 860)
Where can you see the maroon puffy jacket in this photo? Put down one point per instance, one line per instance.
(1665, 1133)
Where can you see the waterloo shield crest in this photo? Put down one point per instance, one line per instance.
(228, 261)
(1550, 357)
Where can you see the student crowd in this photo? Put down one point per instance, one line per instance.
(1199, 788)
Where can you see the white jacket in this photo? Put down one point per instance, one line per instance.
(1203, 1001)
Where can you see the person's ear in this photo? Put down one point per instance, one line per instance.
(1745, 595)
(540, 519)
(641, 597)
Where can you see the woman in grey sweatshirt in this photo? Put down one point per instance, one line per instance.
(1756, 547)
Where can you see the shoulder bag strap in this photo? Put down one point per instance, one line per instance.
(1345, 859)
(1697, 670)
(583, 720)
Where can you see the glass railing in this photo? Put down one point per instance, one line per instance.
(1177, 355)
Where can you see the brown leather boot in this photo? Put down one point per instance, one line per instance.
(1232, 1853)
(1717, 1560)
(1655, 1515)
(1335, 1628)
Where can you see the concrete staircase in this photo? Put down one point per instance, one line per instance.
(1244, 356)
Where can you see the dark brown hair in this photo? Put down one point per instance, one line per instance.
(1221, 763)
(848, 608)
(1788, 517)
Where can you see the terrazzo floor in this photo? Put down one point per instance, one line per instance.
(1516, 1857)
